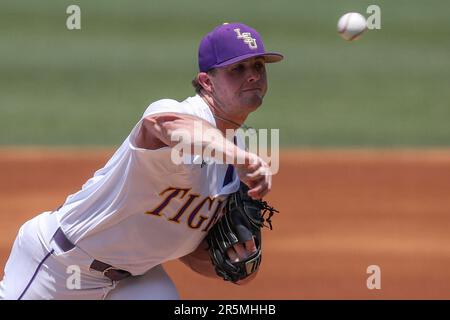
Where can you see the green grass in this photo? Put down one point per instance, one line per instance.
(89, 87)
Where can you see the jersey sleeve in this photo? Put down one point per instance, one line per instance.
(165, 106)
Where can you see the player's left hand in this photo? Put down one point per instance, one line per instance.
(242, 251)
(235, 239)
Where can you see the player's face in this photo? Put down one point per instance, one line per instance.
(241, 86)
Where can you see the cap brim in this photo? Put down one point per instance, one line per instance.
(269, 57)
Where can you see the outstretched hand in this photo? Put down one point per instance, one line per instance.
(256, 174)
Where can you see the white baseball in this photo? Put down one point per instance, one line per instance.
(351, 26)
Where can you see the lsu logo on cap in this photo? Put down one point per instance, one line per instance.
(247, 37)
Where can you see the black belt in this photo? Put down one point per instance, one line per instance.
(108, 271)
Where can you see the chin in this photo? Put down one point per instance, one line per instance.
(252, 103)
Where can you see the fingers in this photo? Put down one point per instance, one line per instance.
(232, 254)
(259, 171)
(257, 176)
(261, 187)
(241, 251)
(250, 246)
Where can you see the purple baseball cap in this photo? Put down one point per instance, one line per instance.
(230, 43)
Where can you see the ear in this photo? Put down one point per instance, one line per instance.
(205, 81)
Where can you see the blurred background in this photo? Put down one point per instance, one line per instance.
(89, 86)
(364, 128)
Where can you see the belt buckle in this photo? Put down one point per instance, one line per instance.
(109, 271)
(106, 270)
(115, 274)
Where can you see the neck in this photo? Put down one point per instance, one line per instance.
(223, 120)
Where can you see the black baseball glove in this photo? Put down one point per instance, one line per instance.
(242, 220)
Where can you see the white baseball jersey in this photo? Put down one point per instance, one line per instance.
(141, 209)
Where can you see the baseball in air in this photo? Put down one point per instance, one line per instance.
(351, 26)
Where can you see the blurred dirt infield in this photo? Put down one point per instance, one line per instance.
(341, 211)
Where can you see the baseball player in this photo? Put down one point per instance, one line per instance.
(109, 239)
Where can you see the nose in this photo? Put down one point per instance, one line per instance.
(253, 75)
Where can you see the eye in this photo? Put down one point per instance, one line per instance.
(238, 68)
(259, 65)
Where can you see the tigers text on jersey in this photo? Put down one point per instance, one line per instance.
(141, 209)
